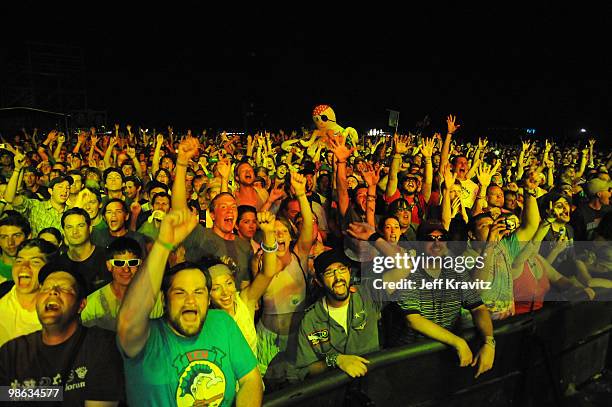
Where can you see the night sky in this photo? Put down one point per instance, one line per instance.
(545, 67)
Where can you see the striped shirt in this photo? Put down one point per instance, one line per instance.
(441, 305)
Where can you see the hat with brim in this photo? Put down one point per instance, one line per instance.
(598, 185)
(326, 259)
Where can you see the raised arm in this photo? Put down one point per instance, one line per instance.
(10, 195)
(531, 213)
(478, 155)
(371, 175)
(92, 148)
(452, 127)
(61, 138)
(401, 146)
(133, 318)
(159, 141)
(131, 152)
(427, 150)
(306, 238)
(224, 167)
(342, 153)
(186, 151)
(109, 151)
(256, 289)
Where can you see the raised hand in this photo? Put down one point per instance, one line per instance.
(591, 142)
(369, 172)
(52, 136)
(485, 172)
(482, 143)
(338, 147)
(278, 192)
(526, 146)
(223, 166)
(427, 146)
(92, 130)
(449, 176)
(82, 137)
(402, 144)
(131, 152)
(361, 231)
(113, 141)
(18, 159)
(298, 182)
(451, 124)
(159, 139)
(61, 138)
(177, 225)
(94, 139)
(187, 149)
(129, 128)
(265, 221)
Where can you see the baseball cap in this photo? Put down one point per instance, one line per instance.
(53, 267)
(598, 185)
(325, 259)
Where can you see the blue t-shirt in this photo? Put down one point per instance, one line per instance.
(173, 370)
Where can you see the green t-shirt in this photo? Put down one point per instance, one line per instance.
(6, 271)
(173, 370)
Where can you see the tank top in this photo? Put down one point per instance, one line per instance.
(287, 291)
(529, 292)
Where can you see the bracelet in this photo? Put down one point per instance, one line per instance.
(267, 249)
(331, 360)
(180, 164)
(164, 244)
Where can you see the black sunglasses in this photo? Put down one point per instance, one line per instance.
(433, 238)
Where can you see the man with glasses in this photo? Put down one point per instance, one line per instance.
(82, 255)
(433, 310)
(124, 255)
(84, 361)
(342, 325)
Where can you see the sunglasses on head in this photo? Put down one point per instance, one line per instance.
(434, 238)
(121, 263)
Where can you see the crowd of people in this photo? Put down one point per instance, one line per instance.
(204, 268)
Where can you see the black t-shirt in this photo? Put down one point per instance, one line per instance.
(88, 365)
(93, 269)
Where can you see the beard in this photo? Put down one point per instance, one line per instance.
(190, 331)
(337, 297)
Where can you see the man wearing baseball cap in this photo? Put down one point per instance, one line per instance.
(587, 216)
(85, 361)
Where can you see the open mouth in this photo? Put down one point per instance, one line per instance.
(52, 306)
(190, 315)
(24, 280)
(282, 246)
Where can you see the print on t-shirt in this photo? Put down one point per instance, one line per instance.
(201, 381)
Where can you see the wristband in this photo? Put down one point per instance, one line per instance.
(180, 164)
(374, 237)
(267, 249)
(164, 244)
(331, 360)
